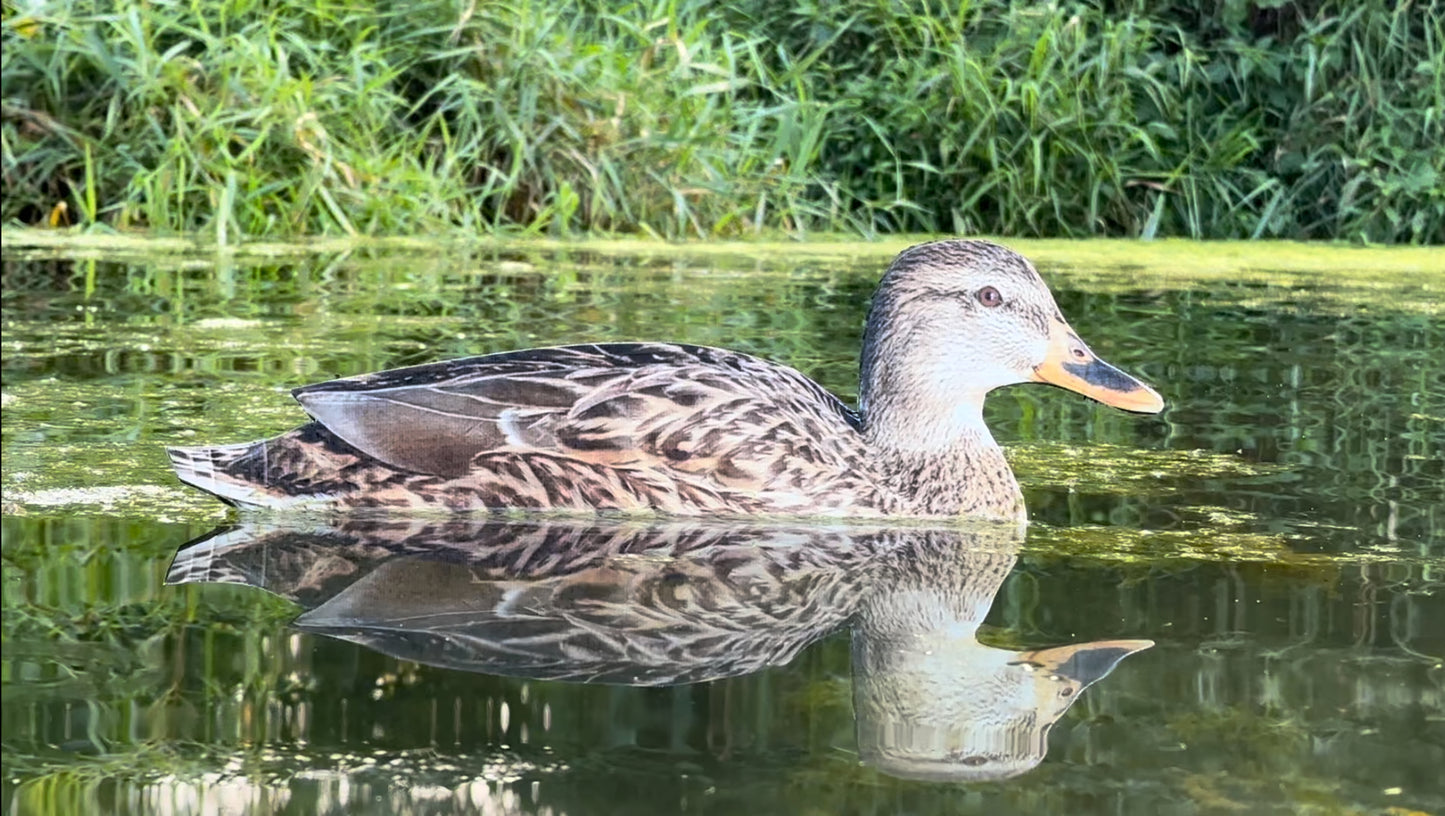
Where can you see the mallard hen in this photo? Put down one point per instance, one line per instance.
(684, 429)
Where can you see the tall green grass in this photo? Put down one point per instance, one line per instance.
(283, 118)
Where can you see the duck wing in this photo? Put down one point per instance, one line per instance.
(690, 407)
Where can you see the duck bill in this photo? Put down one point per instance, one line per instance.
(1071, 364)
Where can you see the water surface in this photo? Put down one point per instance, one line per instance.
(1278, 533)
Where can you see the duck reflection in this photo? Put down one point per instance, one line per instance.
(661, 603)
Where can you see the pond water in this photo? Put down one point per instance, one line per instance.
(1278, 535)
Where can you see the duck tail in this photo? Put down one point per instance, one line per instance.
(229, 472)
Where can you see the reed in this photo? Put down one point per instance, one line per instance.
(247, 119)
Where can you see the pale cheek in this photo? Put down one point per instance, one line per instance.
(1026, 352)
(950, 378)
(1001, 359)
(990, 353)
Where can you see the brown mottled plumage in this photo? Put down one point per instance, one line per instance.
(690, 430)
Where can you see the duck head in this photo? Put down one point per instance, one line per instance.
(953, 320)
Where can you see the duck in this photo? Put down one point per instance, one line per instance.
(679, 429)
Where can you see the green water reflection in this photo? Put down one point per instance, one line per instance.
(1279, 535)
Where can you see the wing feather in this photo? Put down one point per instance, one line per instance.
(673, 406)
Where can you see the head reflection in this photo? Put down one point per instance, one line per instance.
(931, 701)
(661, 603)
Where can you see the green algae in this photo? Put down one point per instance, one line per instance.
(1106, 468)
(1173, 259)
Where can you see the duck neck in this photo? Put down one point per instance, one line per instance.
(943, 463)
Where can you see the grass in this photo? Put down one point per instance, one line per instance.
(682, 118)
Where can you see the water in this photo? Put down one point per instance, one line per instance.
(1279, 535)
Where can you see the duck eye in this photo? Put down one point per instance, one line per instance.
(989, 297)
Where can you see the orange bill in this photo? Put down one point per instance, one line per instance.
(1071, 364)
